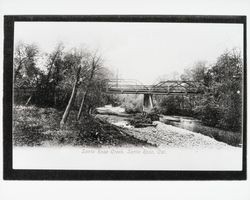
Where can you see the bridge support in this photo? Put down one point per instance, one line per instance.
(147, 103)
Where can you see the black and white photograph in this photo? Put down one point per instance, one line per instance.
(140, 94)
(124, 99)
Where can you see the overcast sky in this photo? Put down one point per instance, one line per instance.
(142, 51)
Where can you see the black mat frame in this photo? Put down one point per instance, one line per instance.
(15, 174)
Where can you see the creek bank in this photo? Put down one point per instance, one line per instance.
(177, 124)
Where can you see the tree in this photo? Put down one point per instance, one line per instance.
(198, 73)
(75, 61)
(25, 69)
(95, 64)
(221, 104)
(19, 59)
(53, 62)
(226, 86)
(26, 72)
(54, 75)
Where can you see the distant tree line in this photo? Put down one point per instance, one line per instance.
(64, 79)
(220, 104)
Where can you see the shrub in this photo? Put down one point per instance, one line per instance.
(169, 106)
(132, 103)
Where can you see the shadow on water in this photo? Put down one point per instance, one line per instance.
(194, 125)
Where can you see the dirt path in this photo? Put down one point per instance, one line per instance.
(164, 135)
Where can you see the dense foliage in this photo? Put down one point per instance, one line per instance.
(220, 104)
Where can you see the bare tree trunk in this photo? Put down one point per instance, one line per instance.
(81, 106)
(94, 65)
(71, 100)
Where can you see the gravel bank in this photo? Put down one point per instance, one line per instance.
(164, 135)
(169, 136)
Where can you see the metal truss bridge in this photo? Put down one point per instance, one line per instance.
(122, 86)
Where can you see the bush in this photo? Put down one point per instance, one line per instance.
(132, 107)
(132, 104)
(169, 106)
(210, 115)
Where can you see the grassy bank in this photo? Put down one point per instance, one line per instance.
(33, 126)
